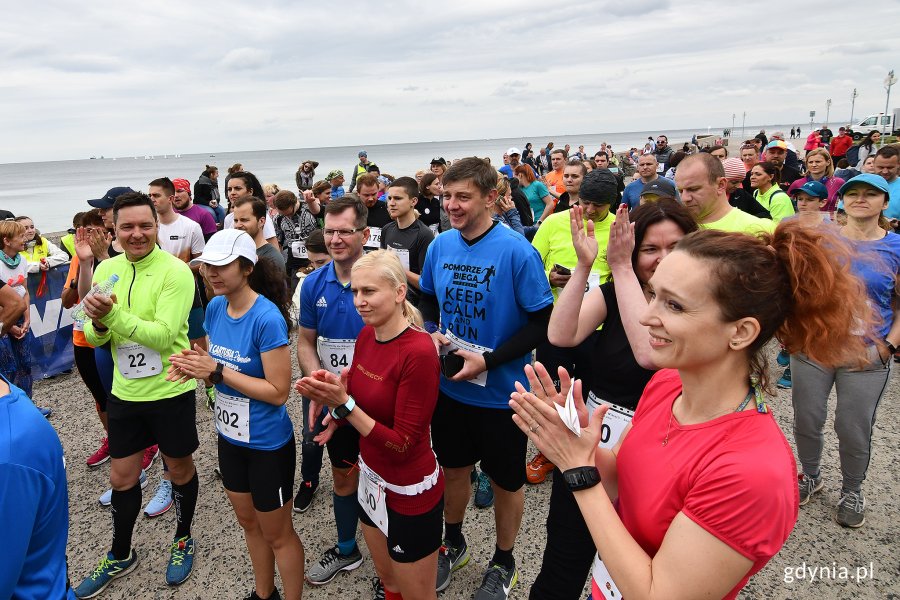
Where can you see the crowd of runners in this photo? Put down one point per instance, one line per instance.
(444, 319)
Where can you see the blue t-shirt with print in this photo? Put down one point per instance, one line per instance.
(878, 265)
(34, 503)
(485, 292)
(239, 344)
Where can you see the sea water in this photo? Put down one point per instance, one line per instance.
(52, 192)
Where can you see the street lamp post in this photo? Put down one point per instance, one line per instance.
(812, 114)
(889, 81)
(852, 105)
(743, 122)
(827, 112)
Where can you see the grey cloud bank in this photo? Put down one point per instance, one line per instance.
(120, 79)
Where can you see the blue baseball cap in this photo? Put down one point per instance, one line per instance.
(109, 198)
(876, 181)
(362, 153)
(816, 189)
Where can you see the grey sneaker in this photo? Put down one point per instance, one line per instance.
(496, 583)
(808, 486)
(450, 558)
(332, 563)
(851, 509)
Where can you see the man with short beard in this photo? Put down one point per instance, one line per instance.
(776, 153)
(250, 215)
(663, 154)
(185, 206)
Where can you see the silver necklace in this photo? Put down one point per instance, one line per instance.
(750, 396)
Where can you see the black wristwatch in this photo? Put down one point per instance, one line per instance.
(217, 376)
(581, 478)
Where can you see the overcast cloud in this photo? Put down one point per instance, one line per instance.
(126, 78)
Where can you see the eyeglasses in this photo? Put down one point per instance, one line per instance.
(341, 233)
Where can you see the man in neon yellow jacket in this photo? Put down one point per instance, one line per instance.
(145, 321)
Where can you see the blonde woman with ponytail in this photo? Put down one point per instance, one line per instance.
(388, 394)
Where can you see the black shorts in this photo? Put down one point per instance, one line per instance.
(462, 434)
(343, 447)
(171, 423)
(411, 537)
(267, 475)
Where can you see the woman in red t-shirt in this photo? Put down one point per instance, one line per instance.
(388, 394)
(700, 492)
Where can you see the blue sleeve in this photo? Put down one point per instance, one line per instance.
(208, 318)
(308, 303)
(21, 492)
(426, 278)
(532, 287)
(271, 330)
(514, 220)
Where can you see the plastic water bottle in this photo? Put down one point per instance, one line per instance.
(104, 289)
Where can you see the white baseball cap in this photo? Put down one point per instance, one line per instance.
(225, 247)
(512, 151)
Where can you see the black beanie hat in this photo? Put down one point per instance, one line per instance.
(599, 186)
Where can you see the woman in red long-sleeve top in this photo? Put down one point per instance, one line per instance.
(388, 394)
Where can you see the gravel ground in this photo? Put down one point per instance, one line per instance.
(222, 567)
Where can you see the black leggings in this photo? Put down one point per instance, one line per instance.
(87, 368)
(570, 549)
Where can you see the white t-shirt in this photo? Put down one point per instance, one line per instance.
(268, 228)
(182, 238)
(16, 278)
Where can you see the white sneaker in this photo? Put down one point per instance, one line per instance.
(106, 498)
(161, 501)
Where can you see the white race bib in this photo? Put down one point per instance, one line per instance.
(403, 255)
(136, 361)
(374, 242)
(615, 421)
(593, 282)
(335, 355)
(371, 496)
(298, 249)
(660, 167)
(602, 583)
(456, 343)
(233, 417)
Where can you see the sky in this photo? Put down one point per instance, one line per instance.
(125, 78)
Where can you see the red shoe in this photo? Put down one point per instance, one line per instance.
(150, 455)
(100, 456)
(536, 471)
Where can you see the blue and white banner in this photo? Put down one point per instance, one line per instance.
(51, 325)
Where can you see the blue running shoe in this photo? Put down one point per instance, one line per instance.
(106, 498)
(108, 569)
(785, 381)
(484, 493)
(784, 359)
(45, 412)
(181, 561)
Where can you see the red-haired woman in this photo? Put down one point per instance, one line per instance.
(539, 198)
(703, 479)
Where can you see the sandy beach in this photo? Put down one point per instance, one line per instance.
(222, 566)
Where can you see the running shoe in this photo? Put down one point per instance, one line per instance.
(304, 496)
(254, 596)
(150, 455)
(161, 501)
(211, 399)
(450, 558)
(497, 582)
(484, 492)
(332, 563)
(100, 456)
(181, 561)
(785, 381)
(377, 589)
(108, 569)
(45, 411)
(106, 498)
(783, 359)
(537, 470)
(851, 509)
(808, 487)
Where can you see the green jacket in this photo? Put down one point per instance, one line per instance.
(153, 299)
